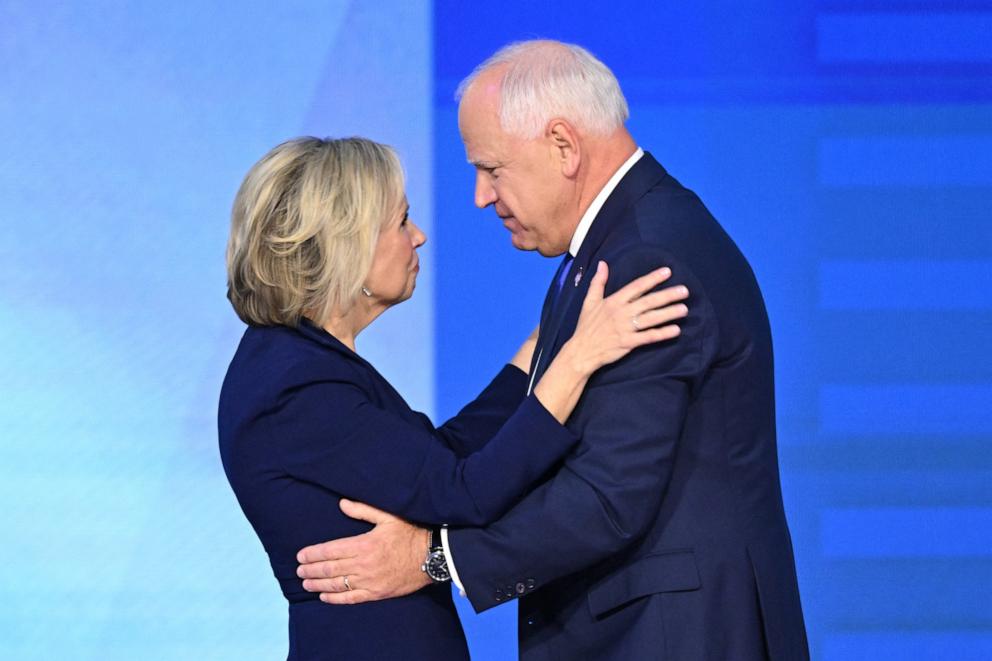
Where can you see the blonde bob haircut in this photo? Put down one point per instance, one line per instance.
(304, 227)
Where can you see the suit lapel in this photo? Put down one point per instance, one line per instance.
(558, 324)
(535, 359)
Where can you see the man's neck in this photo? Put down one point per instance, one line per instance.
(605, 156)
(608, 180)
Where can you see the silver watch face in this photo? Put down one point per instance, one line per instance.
(437, 567)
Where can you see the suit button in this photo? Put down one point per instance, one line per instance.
(531, 583)
(499, 596)
(521, 588)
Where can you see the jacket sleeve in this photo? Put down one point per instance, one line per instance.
(479, 421)
(609, 489)
(332, 435)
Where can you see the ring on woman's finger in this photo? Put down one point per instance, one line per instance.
(347, 585)
(633, 322)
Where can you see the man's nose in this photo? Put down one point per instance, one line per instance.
(485, 194)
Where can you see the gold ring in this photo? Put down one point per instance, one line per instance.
(633, 322)
(346, 583)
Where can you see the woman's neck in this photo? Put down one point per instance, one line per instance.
(346, 327)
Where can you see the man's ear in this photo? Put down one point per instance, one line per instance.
(565, 146)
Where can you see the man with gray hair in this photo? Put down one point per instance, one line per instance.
(663, 535)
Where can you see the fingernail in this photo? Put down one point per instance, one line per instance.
(299, 572)
(664, 270)
(684, 290)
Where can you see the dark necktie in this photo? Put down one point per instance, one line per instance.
(560, 278)
(559, 285)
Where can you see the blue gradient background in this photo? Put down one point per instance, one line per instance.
(847, 146)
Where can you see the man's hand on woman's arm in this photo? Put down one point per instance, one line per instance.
(380, 564)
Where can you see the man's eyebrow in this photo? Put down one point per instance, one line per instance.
(484, 165)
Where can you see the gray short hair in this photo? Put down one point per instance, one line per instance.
(304, 226)
(545, 80)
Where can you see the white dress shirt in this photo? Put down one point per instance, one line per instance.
(573, 249)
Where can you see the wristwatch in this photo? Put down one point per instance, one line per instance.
(436, 564)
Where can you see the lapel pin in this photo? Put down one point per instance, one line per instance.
(578, 277)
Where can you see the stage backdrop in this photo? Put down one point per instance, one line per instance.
(846, 145)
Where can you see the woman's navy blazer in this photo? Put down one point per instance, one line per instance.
(304, 421)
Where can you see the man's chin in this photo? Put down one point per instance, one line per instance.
(530, 245)
(522, 243)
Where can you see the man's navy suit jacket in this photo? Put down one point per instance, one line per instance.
(662, 535)
(304, 421)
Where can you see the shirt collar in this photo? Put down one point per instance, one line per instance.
(590, 215)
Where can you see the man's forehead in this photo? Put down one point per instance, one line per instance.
(476, 112)
(478, 118)
(481, 135)
(477, 154)
(481, 99)
(484, 140)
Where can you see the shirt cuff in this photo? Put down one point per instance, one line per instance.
(451, 562)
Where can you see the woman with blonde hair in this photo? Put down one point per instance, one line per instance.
(321, 244)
